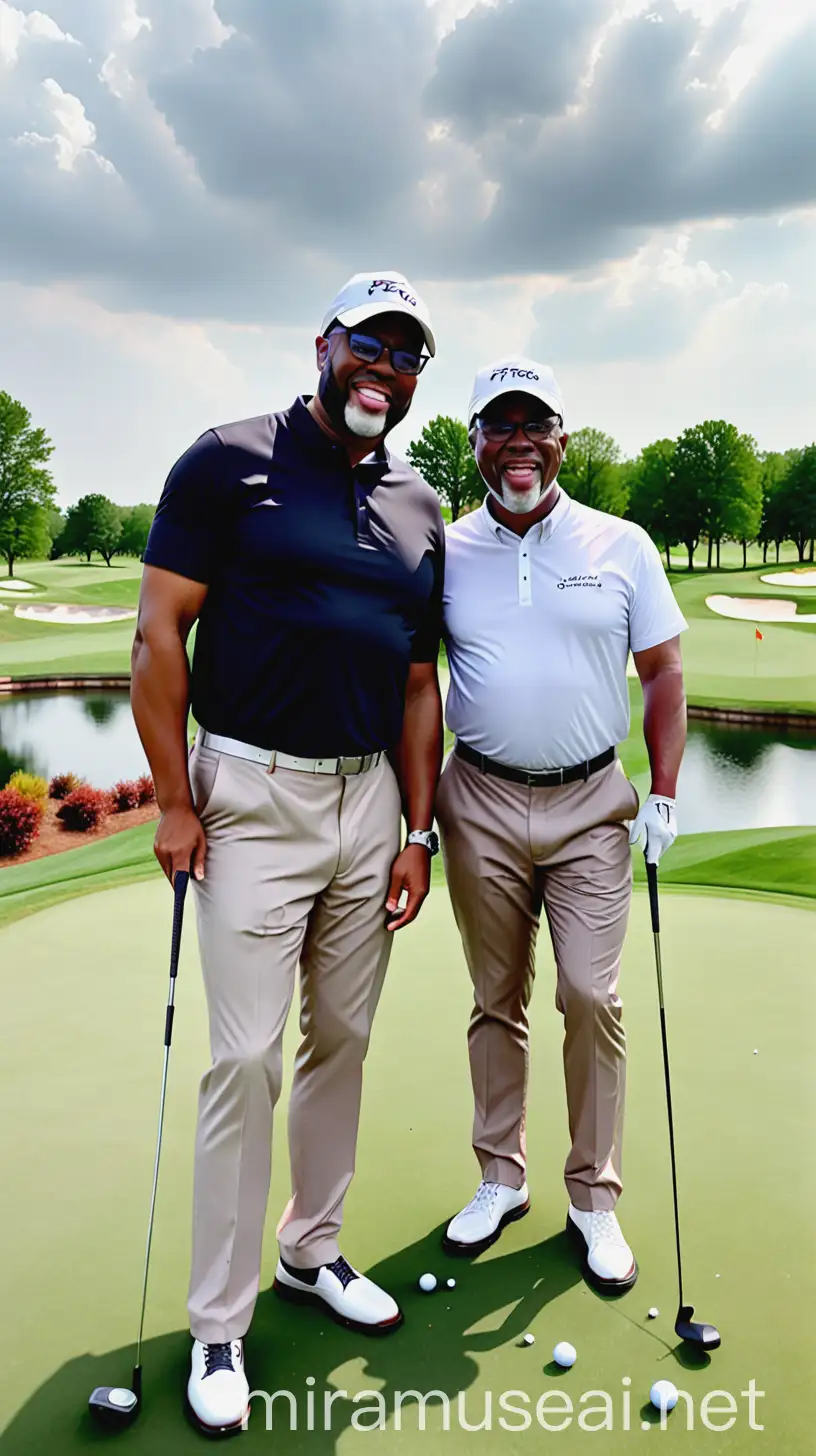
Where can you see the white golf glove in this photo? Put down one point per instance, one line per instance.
(657, 821)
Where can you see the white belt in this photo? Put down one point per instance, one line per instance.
(273, 760)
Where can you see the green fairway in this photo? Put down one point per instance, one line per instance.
(84, 990)
(724, 664)
(43, 647)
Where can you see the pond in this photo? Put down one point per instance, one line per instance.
(732, 777)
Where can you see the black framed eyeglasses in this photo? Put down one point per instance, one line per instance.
(535, 430)
(368, 349)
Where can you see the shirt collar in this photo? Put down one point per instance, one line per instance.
(305, 426)
(541, 531)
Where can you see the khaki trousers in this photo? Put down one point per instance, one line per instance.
(297, 873)
(508, 849)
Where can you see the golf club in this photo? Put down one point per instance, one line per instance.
(694, 1332)
(114, 1406)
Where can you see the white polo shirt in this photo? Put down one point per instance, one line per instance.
(538, 631)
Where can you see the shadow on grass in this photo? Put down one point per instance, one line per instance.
(287, 1345)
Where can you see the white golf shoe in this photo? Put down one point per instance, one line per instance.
(218, 1390)
(608, 1262)
(480, 1224)
(350, 1298)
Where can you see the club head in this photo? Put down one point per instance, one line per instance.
(113, 1406)
(695, 1332)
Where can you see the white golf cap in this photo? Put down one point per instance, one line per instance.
(367, 294)
(514, 375)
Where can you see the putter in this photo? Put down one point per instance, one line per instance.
(114, 1406)
(693, 1332)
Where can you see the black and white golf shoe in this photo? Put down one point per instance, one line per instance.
(218, 1390)
(350, 1298)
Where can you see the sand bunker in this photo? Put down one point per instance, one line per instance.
(53, 612)
(792, 578)
(14, 585)
(756, 609)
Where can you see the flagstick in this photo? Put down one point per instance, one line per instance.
(756, 648)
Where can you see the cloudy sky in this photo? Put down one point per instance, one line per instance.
(626, 191)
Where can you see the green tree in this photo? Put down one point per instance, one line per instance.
(650, 486)
(715, 468)
(26, 487)
(136, 523)
(444, 458)
(93, 524)
(591, 472)
(773, 527)
(799, 499)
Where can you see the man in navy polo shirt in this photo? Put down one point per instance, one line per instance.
(312, 561)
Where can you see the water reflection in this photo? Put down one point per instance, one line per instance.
(89, 734)
(732, 777)
(744, 778)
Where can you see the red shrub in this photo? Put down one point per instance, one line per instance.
(125, 795)
(147, 791)
(85, 808)
(62, 785)
(19, 821)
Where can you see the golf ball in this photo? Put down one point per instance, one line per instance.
(427, 1283)
(451, 1284)
(529, 1340)
(565, 1354)
(653, 1313)
(663, 1395)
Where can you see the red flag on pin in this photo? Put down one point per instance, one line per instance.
(758, 634)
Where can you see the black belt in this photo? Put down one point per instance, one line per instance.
(548, 779)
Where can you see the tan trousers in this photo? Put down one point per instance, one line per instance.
(508, 849)
(297, 873)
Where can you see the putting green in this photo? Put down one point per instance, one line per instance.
(84, 989)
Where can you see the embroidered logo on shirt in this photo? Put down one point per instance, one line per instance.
(593, 579)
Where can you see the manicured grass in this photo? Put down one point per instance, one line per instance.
(724, 664)
(117, 860)
(776, 862)
(43, 647)
(84, 991)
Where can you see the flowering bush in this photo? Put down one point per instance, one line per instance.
(19, 821)
(62, 785)
(125, 795)
(29, 785)
(85, 808)
(147, 790)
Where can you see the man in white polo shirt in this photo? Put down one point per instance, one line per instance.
(544, 599)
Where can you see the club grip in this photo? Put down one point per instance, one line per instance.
(180, 883)
(651, 878)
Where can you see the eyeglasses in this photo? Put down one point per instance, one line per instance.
(363, 346)
(535, 430)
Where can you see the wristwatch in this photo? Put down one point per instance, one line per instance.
(427, 837)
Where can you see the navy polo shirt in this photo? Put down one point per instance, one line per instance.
(325, 583)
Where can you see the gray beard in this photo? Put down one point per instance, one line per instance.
(366, 426)
(518, 501)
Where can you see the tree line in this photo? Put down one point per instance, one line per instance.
(711, 484)
(31, 525)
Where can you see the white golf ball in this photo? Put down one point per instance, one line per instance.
(451, 1284)
(653, 1313)
(529, 1340)
(756, 1051)
(427, 1283)
(663, 1395)
(565, 1354)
